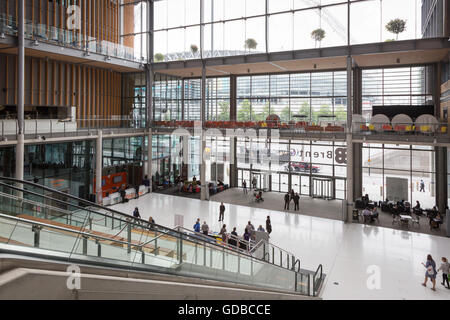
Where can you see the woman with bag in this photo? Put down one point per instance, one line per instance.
(431, 272)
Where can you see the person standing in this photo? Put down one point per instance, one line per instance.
(244, 186)
(292, 195)
(197, 226)
(422, 186)
(445, 268)
(286, 201)
(222, 212)
(234, 238)
(431, 272)
(205, 228)
(223, 233)
(268, 225)
(151, 221)
(297, 202)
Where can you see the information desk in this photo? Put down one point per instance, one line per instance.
(130, 193)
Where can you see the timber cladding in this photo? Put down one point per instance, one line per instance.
(96, 93)
(100, 19)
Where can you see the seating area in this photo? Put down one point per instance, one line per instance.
(402, 213)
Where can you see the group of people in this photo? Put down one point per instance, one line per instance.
(292, 196)
(137, 215)
(233, 238)
(431, 272)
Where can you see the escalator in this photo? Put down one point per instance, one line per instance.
(35, 221)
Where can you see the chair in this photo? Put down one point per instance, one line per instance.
(396, 219)
(416, 221)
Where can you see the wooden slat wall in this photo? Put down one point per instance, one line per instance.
(95, 92)
(102, 16)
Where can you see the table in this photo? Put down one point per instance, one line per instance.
(405, 219)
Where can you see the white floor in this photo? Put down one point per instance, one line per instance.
(346, 251)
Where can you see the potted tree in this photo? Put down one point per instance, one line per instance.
(194, 49)
(250, 43)
(396, 26)
(318, 35)
(159, 57)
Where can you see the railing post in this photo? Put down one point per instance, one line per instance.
(309, 284)
(85, 245)
(239, 262)
(143, 255)
(112, 222)
(223, 258)
(181, 248)
(273, 255)
(90, 223)
(281, 258)
(296, 282)
(99, 248)
(264, 251)
(251, 267)
(37, 235)
(196, 249)
(129, 237)
(204, 254)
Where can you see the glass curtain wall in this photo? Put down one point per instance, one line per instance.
(315, 97)
(167, 98)
(238, 27)
(296, 165)
(134, 100)
(395, 86)
(395, 172)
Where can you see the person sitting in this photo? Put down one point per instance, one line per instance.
(220, 183)
(374, 215)
(417, 205)
(194, 179)
(367, 214)
(260, 195)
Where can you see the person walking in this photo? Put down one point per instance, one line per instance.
(222, 212)
(136, 213)
(431, 272)
(197, 226)
(205, 228)
(296, 202)
(445, 268)
(422, 186)
(268, 225)
(286, 201)
(244, 186)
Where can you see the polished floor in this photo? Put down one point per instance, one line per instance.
(361, 262)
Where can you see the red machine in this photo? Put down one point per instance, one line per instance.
(113, 182)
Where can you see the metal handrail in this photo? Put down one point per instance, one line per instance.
(46, 225)
(320, 268)
(295, 263)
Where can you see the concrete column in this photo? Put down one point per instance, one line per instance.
(202, 136)
(441, 179)
(349, 142)
(99, 167)
(149, 158)
(20, 148)
(233, 164)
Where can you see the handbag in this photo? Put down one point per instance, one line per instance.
(430, 271)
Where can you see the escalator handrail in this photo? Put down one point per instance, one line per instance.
(50, 226)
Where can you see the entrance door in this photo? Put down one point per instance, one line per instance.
(323, 188)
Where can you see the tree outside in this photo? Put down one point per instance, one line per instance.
(396, 26)
(318, 35)
(224, 114)
(159, 57)
(245, 113)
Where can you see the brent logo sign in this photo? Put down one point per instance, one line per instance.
(340, 155)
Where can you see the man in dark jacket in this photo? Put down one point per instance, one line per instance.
(297, 202)
(268, 225)
(222, 212)
(286, 201)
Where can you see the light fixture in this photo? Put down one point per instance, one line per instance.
(435, 141)
(107, 58)
(87, 54)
